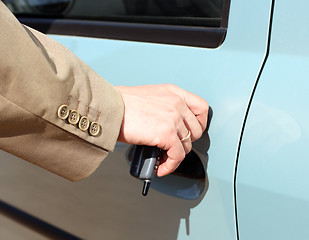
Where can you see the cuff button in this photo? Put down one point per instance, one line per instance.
(73, 117)
(63, 112)
(83, 123)
(94, 129)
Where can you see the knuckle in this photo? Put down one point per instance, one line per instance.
(165, 135)
(198, 134)
(157, 141)
(182, 155)
(188, 148)
(169, 129)
(206, 107)
(174, 116)
(176, 100)
(170, 86)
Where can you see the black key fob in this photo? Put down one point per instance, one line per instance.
(145, 161)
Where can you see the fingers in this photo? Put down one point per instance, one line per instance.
(162, 115)
(184, 136)
(197, 105)
(194, 112)
(181, 146)
(167, 167)
(190, 120)
(174, 156)
(177, 151)
(192, 124)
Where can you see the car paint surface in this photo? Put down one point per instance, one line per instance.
(272, 178)
(109, 203)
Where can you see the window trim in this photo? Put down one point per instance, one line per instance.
(207, 37)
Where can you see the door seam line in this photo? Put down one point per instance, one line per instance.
(248, 110)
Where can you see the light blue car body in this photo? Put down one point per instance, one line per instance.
(272, 178)
(257, 168)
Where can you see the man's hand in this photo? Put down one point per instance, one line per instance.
(162, 115)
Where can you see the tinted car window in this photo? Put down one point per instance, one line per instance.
(180, 12)
(153, 16)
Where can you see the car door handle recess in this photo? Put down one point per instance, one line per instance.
(188, 181)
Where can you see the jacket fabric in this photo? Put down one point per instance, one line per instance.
(39, 75)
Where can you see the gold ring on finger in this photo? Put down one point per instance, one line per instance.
(186, 137)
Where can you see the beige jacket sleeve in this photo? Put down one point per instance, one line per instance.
(37, 75)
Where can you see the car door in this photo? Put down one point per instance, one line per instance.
(136, 43)
(272, 176)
